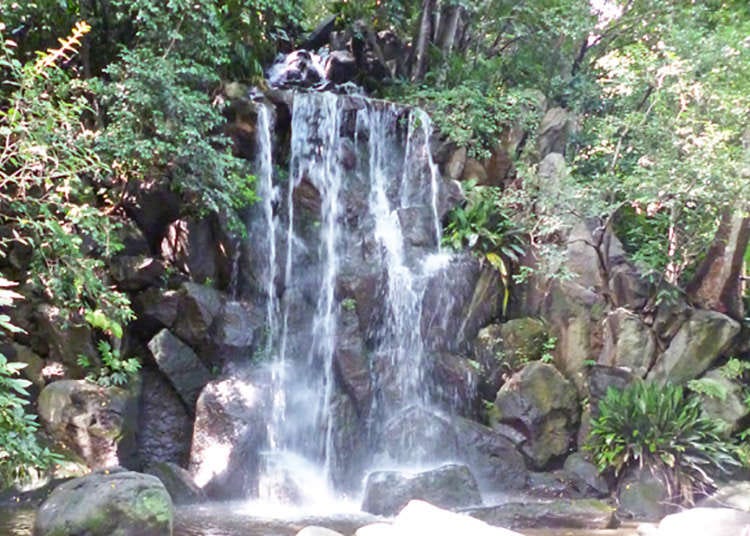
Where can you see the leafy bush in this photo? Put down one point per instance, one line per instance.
(115, 370)
(663, 430)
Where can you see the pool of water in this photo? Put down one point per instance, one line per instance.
(228, 519)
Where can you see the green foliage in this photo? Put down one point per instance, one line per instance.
(114, 370)
(547, 348)
(473, 114)
(21, 454)
(663, 430)
(51, 184)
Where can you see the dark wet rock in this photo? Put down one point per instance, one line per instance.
(351, 359)
(133, 240)
(699, 341)
(549, 485)
(628, 342)
(199, 249)
(561, 513)
(180, 366)
(178, 482)
(417, 226)
(543, 405)
(34, 363)
(234, 331)
(198, 307)
(643, 495)
(341, 67)
(301, 68)
(97, 423)
(155, 309)
(229, 430)
(602, 378)
(448, 486)
(454, 383)
(153, 206)
(134, 273)
(165, 426)
(585, 476)
(105, 503)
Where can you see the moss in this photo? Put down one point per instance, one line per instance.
(153, 504)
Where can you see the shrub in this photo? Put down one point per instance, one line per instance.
(663, 430)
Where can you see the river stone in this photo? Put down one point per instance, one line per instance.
(703, 522)
(97, 423)
(628, 342)
(178, 482)
(543, 404)
(107, 503)
(448, 486)
(180, 365)
(697, 344)
(561, 513)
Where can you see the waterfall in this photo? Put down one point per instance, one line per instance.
(361, 204)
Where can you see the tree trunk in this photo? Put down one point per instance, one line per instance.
(717, 283)
(423, 41)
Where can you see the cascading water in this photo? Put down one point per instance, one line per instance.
(361, 209)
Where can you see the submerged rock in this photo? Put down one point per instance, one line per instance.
(448, 486)
(178, 482)
(106, 503)
(571, 514)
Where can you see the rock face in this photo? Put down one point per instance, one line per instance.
(180, 365)
(107, 503)
(448, 486)
(97, 423)
(698, 342)
(628, 343)
(198, 307)
(541, 404)
(571, 514)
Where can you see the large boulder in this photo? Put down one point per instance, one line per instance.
(585, 476)
(574, 313)
(180, 366)
(106, 503)
(199, 305)
(571, 514)
(727, 406)
(449, 486)
(97, 423)
(65, 338)
(543, 405)
(234, 331)
(419, 517)
(552, 135)
(703, 521)
(418, 436)
(699, 341)
(628, 342)
(136, 272)
(228, 433)
(734, 494)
